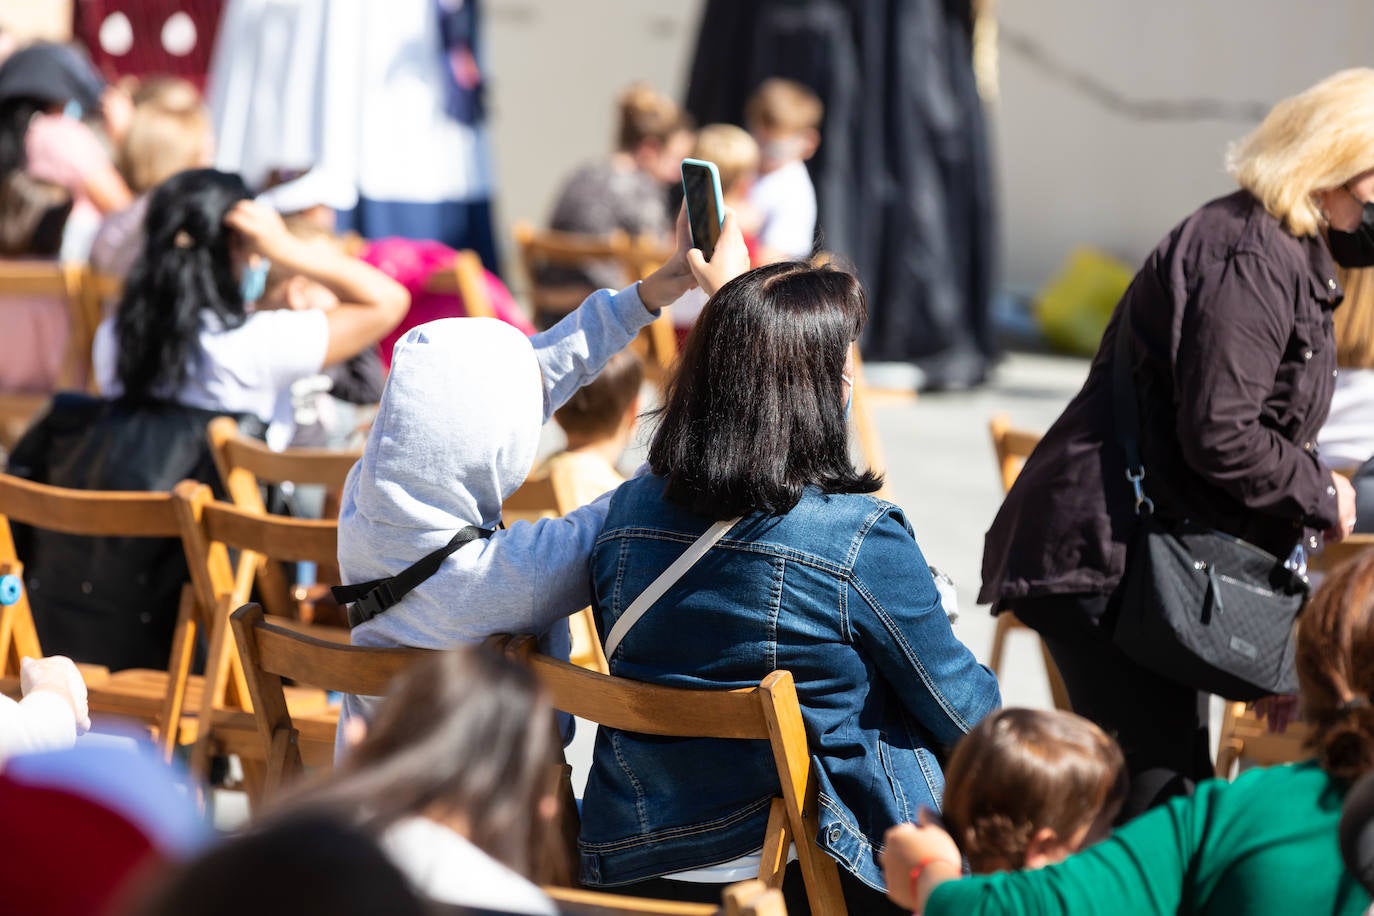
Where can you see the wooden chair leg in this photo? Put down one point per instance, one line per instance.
(1006, 622)
(738, 896)
(776, 841)
(1058, 692)
(178, 676)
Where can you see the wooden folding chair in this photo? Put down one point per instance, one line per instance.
(768, 712)
(467, 280)
(275, 648)
(245, 464)
(153, 698)
(209, 529)
(1013, 447)
(64, 282)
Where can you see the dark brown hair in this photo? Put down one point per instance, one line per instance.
(1335, 661)
(780, 104)
(597, 408)
(755, 412)
(465, 733)
(1021, 770)
(647, 114)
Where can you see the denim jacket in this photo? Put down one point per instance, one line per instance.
(836, 592)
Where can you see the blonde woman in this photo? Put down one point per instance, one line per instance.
(1234, 362)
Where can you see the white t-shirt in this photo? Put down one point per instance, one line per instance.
(1346, 440)
(248, 369)
(446, 867)
(787, 200)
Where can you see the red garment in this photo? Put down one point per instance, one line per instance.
(147, 20)
(411, 263)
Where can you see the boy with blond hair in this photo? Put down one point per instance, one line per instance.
(785, 118)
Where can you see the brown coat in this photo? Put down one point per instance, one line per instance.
(1234, 363)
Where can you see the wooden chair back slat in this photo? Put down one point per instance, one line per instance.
(323, 466)
(289, 652)
(87, 512)
(66, 282)
(275, 536)
(1012, 447)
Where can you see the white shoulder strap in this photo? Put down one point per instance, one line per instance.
(665, 581)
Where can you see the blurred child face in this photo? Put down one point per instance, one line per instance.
(664, 162)
(778, 147)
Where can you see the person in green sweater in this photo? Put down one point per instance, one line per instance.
(1263, 844)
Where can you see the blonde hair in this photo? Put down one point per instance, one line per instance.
(647, 114)
(168, 133)
(735, 153)
(1354, 320)
(783, 105)
(1314, 141)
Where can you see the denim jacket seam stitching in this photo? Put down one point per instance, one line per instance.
(844, 823)
(885, 758)
(775, 609)
(900, 639)
(674, 833)
(640, 814)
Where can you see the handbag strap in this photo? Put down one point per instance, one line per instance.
(665, 581)
(1126, 409)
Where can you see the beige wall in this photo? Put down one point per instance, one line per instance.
(37, 18)
(555, 68)
(1072, 171)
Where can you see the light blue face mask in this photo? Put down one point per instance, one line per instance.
(73, 110)
(253, 283)
(849, 402)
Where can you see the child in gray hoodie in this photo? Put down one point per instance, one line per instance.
(456, 435)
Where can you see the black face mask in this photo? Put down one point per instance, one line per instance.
(1354, 249)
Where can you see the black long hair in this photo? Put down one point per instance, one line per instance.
(15, 114)
(755, 413)
(184, 271)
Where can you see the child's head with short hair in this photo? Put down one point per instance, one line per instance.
(1027, 788)
(169, 132)
(785, 119)
(654, 130)
(605, 408)
(735, 154)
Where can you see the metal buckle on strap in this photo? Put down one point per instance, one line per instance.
(1141, 500)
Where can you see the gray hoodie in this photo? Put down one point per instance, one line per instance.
(455, 435)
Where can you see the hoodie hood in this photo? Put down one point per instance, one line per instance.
(457, 429)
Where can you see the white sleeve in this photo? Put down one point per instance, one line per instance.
(289, 345)
(573, 351)
(42, 721)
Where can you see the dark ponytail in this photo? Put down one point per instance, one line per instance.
(184, 272)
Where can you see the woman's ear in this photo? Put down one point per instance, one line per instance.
(1045, 848)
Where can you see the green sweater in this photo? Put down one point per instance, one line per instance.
(1263, 844)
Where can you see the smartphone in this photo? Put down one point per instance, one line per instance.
(705, 204)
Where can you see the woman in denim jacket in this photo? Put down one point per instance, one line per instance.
(819, 578)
